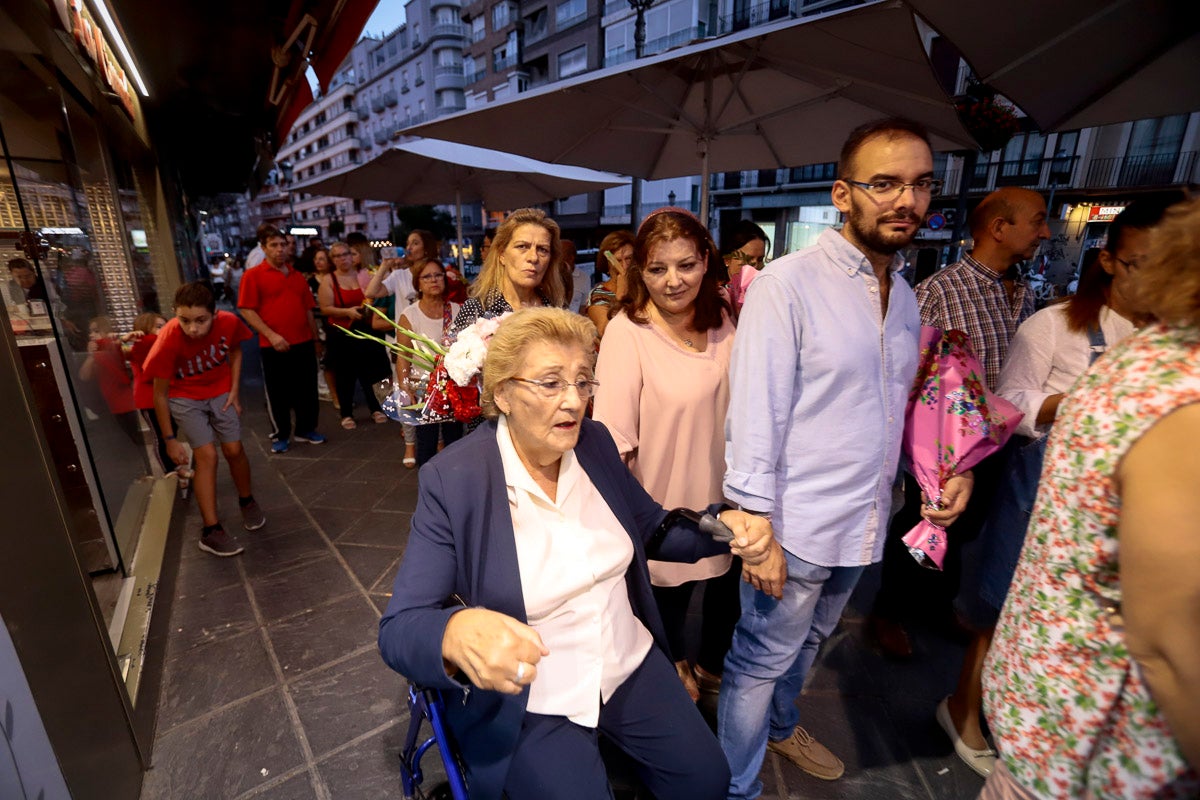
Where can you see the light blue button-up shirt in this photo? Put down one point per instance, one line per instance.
(820, 380)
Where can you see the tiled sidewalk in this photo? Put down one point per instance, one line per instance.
(273, 687)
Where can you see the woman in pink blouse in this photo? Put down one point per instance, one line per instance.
(664, 373)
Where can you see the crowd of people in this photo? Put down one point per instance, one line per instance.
(781, 393)
(691, 381)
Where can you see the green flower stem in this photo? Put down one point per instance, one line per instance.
(434, 346)
(416, 356)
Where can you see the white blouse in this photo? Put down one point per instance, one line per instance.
(573, 554)
(1046, 358)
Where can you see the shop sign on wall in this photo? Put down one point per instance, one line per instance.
(1104, 213)
(88, 34)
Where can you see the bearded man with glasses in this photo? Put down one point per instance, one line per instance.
(822, 366)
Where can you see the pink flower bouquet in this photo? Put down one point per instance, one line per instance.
(953, 422)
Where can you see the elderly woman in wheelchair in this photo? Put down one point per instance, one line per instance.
(536, 523)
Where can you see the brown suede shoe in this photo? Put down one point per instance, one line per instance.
(809, 755)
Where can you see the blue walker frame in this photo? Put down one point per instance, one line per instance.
(428, 704)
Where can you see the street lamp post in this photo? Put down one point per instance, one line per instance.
(640, 7)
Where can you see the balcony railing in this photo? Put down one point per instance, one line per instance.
(620, 55)
(454, 30)
(757, 14)
(451, 106)
(564, 22)
(501, 64)
(1163, 169)
(448, 76)
(1030, 173)
(616, 7)
(381, 137)
(622, 210)
(377, 105)
(389, 98)
(473, 77)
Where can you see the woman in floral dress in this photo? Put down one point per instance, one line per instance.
(1092, 685)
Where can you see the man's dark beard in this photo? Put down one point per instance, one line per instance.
(870, 236)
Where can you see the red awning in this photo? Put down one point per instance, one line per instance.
(347, 29)
(300, 101)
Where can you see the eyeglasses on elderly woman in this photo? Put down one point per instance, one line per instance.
(551, 388)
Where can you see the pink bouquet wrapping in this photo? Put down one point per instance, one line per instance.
(953, 422)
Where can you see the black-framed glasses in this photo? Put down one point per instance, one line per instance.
(889, 190)
(551, 388)
(1132, 266)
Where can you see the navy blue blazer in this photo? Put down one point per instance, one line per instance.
(462, 542)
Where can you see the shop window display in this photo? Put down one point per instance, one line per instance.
(78, 238)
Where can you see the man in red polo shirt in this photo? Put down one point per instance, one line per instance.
(276, 302)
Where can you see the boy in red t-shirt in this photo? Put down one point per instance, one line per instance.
(195, 364)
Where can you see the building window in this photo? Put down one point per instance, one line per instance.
(537, 25)
(419, 77)
(572, 62)
(500, 60)
(416, 31)
(446, 16)
(501, 15)
(569, 12)
(477, 28)
(1157, 137)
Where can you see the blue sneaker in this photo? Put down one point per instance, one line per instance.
(312, 437)
(279, 446)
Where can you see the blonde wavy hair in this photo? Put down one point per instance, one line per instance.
(521, 331)
(491, 278)
(1168, 283)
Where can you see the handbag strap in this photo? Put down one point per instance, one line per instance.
(447, 320)
(337, 290)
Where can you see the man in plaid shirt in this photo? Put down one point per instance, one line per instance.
(981, 294)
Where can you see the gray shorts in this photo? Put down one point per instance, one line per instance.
(202, 421)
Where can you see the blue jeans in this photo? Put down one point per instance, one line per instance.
(774, 645)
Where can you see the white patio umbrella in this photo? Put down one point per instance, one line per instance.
(781, 95)
(432, 171)
(1075, 63)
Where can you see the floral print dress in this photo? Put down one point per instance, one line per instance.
(1069, 707)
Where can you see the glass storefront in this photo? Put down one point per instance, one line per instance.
(86, 248)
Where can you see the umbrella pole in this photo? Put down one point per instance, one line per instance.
(704, 182)
(458, 222)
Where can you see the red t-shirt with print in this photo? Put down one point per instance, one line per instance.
(198, 369)
(281, 299)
